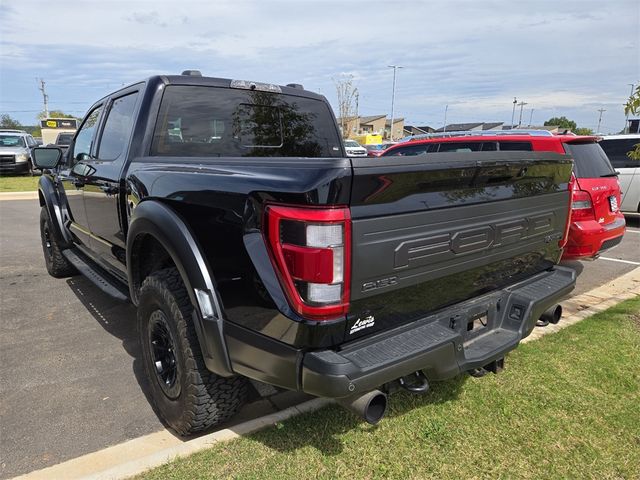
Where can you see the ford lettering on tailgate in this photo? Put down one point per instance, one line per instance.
(416, 252)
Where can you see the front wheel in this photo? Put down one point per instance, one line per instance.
(187, 397)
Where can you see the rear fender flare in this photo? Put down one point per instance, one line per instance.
(154, 218)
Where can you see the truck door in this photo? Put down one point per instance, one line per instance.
(102, 191)
(74, 175)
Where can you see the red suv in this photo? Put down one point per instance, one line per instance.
(596, 221)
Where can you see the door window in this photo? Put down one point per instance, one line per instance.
(84, 139)
(117, 128)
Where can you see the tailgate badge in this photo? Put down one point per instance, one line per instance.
(362, 323)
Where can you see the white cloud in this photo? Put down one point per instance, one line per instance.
(474, 56)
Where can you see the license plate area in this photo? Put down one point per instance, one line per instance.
(476, 320)
(613, 203)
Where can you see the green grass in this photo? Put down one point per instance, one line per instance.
(567, 406)
(19, 184)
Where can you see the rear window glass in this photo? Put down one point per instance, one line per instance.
(589, 160)
(206, 121)
(64, 139)
(617, 150)
(512, 146)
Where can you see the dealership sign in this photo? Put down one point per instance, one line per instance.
(59, 123)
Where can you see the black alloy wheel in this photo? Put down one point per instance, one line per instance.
(163, 352)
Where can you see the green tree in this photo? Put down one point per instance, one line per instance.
(562, 122)
(583, 131)
(54, 114)
(7, 122)
(633, 107)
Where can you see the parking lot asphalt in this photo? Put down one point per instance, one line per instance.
(70, 375)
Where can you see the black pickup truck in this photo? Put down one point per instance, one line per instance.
(229, 213)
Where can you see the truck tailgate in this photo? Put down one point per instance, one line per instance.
(430, 231)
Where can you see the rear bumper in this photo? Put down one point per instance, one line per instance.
(588, 238)
(440, 345)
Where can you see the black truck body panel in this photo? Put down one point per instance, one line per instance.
(459, 236)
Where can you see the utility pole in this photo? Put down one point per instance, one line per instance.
(600, 119)
(444, 128)
(45, 97)
(626, 118)
(393, 97)
(513, 113)
(521, 105)
(357, 120)
(530, 117)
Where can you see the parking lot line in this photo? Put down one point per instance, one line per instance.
(632, 230)
(619, 260)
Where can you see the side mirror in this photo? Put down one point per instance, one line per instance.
(46, 157)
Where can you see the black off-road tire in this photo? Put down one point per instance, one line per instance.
(57, 265)
(186, 395)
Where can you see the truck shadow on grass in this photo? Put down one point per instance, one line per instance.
(321, 429)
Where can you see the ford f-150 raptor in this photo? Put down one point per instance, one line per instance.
(229, 213)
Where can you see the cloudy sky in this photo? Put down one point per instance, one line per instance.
(561, 57)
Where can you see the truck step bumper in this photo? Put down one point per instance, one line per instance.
(462, 337)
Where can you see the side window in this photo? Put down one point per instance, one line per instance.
(408, 151)
(117, 128)
(617, 150)
(84, 138)
(522, 146)
(31, 142)
(489, 146)
(459, 147)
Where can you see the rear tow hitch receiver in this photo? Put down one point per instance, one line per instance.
(415, 383)
(494, 367)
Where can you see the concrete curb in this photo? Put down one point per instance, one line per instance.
(19, 195)
(136, 456)
(125, 460)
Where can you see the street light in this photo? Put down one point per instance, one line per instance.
(393, 97)
(513, 113)
(521, 105)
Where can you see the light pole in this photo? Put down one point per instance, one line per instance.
(601, 110)
(513, 113)
(393, 97)
(521, 105)
(444, 127)
(530, 117)
(626, 118)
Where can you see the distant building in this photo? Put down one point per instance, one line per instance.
(372, 124)
(548, 128)
(470, 127)
(410, 130)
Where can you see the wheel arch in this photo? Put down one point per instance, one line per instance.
(48, 197)
(156, 225)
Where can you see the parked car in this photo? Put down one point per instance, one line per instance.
(354, 149)
(229, 213)
(596, 221)
(617, 147)
(15, 151)
(63, 140)
(377, 149)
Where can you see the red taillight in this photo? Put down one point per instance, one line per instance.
(311, 249)
(581, 205)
